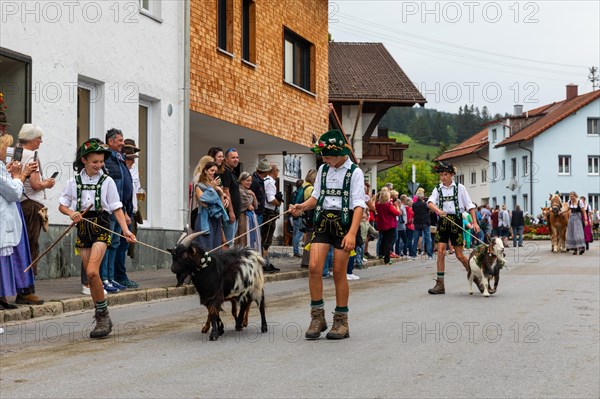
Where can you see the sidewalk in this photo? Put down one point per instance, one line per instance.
(64, 295)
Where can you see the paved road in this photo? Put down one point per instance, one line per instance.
(537, 337)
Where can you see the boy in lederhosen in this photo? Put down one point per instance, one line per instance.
(449, 200)
(338, 199)
(91, 186)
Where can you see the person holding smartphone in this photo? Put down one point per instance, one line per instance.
(32, 200)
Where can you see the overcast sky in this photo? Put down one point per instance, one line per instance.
(494, 53)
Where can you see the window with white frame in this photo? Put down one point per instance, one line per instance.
(150, 8)
(594, 201)
(494, 135)
(297, 61)
(564, 164)
(592, 126)
(483, 175)
(525, 203)
(514, 202)
(513, 167)
(494, 171)
(16, 88)
(89, 107)
(503, 171)
(504, 199)
(564, 197)
(525, 166)
(593, 164)
(473, 177)
(494, 202)
(460, 179)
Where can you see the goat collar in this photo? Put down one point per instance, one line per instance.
(205, 261)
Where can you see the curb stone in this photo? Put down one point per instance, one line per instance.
(53, 308)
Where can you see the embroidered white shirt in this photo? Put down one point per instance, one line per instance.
(109, 196)
(464, 201)
(335, 179)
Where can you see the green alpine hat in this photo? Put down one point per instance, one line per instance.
(444, 167)
(93, 146)
(332, 144)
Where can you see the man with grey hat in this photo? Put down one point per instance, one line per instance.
(258, 187)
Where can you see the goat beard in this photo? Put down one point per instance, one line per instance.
(183, 278)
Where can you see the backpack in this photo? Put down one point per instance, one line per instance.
(298, 196)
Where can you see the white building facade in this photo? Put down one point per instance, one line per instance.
(78, 69)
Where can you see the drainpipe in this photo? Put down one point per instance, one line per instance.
(530, 176)
(186, 106)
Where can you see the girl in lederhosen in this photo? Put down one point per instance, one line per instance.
(338, 199)
(91, 186)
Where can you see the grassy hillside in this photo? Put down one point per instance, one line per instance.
(416, 151)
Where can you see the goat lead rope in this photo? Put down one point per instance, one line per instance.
(249, 231)
(120, 235)
(468, 232)
(64, 233)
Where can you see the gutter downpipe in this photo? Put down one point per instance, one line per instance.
(530, 176)
(186, 107)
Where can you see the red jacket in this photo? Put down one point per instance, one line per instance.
(410, 218)
(387, 216)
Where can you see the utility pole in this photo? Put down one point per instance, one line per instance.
(593, 77)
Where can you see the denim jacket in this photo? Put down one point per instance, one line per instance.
(214, 208)
(11, 226)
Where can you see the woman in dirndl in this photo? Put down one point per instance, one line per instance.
(575, 235)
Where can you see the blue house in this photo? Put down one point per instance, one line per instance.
(552, 148)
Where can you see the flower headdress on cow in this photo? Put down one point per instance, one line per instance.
(332, 144)
(444, 167)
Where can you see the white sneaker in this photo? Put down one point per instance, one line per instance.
(1, 330)
(86, 290)
(352, 276)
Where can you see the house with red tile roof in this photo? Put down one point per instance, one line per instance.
(552, 148)
(471, 160)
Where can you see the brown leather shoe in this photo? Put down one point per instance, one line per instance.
(103, 324)
(439, 287)
(29, 299)
(317, 323)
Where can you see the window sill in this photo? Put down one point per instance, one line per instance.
(249, 64)
(149, 15)
(225, 52)
(310, 93)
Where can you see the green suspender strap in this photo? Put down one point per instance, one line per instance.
(344, 192)
(452, 198)
(93, 187)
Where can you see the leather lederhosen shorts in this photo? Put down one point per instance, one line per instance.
(88, 234)
(448, 231)
(329, 229)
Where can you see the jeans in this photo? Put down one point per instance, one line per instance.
(409, 240)
(360, 255)
(297, 235)
(328, 262)
(350, 267)
(230, 229)
(120, 271)
(107, 267)
(401, 243)
(518, 230)
(424, 232)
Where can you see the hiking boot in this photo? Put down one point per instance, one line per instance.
(317, 323)
(29, 299)
(340, 327)
(103, 324)
(439, 287)
(479, 284)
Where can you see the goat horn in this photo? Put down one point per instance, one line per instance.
(187, 240)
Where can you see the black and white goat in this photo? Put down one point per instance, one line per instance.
(485, 263)
(234, 275)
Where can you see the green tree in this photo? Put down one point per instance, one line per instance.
(401, 175)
